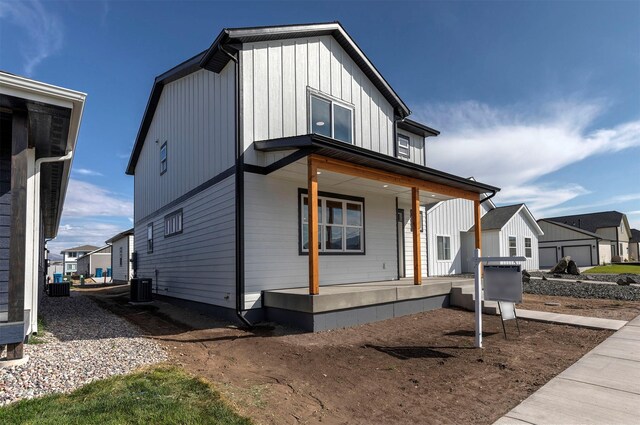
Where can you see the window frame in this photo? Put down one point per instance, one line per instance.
(530, 247)
(447, 237)
(408, 140)
(332, 101)
(515, 247)
(345, 199)
(120, 262)
(164, 162)
(179, 223)
(150, 239)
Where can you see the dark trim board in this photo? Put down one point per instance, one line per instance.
(355, 316)
(212, 311)
(572, 240)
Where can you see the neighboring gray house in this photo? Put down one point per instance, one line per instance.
(238, 140)
(590, 239)
(634, 245)
(96, 259)
(121, 249)
(70, 257)
(39, 126)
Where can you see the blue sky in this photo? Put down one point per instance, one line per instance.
(539, 98)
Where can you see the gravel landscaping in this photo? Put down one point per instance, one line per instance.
(81, 343)
(596, 277)
(582, 290)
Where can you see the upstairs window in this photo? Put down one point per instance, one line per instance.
(513, 251)
(149, 238)
(163, 158)
(527, 247)
(331, 119)
(173, 223)
(404, 151)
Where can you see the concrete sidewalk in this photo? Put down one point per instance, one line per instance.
(603, 387)
(570, 319)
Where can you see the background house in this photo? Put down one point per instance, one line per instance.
(634, 245)
(55, 267)
(39, 126)
(70, 257)
(590, 239)
(97, 259)
(122, 246)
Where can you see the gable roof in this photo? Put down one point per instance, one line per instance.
(87, 248)
(575, 229)
(498, 217)
(128, 232)
(592, 221)
(635, 235)
(230, 40)
(103, 250)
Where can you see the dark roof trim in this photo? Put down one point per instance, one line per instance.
(575, 229)
(215, 59)
(417, 128)
(314, 143)
(120, 235)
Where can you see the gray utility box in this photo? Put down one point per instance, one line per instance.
(141, 290)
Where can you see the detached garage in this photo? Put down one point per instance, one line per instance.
(560, 240)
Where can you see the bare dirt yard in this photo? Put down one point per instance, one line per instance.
(606, 309)
(415, 369)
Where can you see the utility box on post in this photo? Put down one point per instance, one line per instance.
(141, 290)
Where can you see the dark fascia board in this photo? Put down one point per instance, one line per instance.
(417, 128)
(575, 229)
(185, 68)
(215, 59)
(120, 235)
(315, 143)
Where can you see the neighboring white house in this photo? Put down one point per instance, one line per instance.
(121, 249)
(590, 239)
(39, 126)
(634, 245)
(278, 115)
(507, 231)
(70, 257)
(89, 263)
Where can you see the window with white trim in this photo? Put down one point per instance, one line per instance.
(149, 238)
(330, 118)
(527, 248)
(340, 224)
(444, 248)
(513, 251)
(404, 150)
(173, 223)
(163, 158)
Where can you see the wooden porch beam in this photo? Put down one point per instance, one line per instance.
(477, 218)
(343, 167)
(415, 229)
(312, 208)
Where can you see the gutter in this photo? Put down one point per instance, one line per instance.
(493, 193)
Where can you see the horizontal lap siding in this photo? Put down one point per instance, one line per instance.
(5, 229)
(554, 232)
(199, 263)
(196, 117)
(276, 75)
(408, 243)
(121, 272)
(416, 147)
(272, 259)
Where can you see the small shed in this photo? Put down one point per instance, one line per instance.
(97, 259)
(121, 250)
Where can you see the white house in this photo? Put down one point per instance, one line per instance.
(95, 263)
(70, 257)
(39, 126)
(506, 232)
(121, 252)
(634, 245)
(590, 239)
(238, 140)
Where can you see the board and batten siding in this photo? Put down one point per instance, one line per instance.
(276, 78)
(196, 117)
(272, 258)
(5, 230)
(121, 272)
(520, 227)
(416, 147)
(199, 263)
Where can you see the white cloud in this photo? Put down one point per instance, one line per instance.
(89, 200)
(87, 172)
(43, 31)
(511, 147)
(84, 232)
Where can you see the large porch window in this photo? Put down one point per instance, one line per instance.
(340, 224)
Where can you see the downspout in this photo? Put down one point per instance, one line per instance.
(36, 231)
(239, 183)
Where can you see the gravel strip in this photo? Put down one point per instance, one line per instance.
(81, 343)
(582, 290)
(595, 276)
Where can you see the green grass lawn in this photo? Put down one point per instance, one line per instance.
(614, 269)
(162, 395)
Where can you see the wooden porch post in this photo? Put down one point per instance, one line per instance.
(312, 203)
(477, 217)
(415, 219)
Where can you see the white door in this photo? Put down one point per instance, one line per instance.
(580, 254)
(548, 257)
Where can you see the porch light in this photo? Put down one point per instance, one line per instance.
(385, 185)
(320, 123)
(318, 172)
